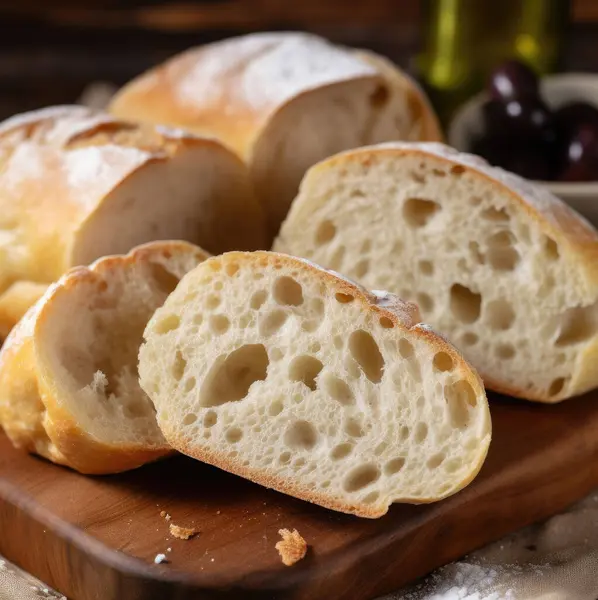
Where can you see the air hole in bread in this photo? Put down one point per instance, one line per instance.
(556, 387)
(499, 314)
(314, 347)
(465, 304)
(310, 325)
(457, 170)
(371, 497)
(233, 435)
(426, 267)
(425, 302)
(397, 248)
(305, 369)
(420, 433)
(325, 484)
(386, 323)
(287, 292)
(436, 460)
(357, 194)
(338, 390)
(352, 368)
(453, 465)
(168, 323)
(394, 466)
(210, 419)
(336, 260)
(338, 342)
(366, 246)
(366, 353)
(551, 248)
(231, 376)
(258, 299)
(404, 433)
(379, 97)
(475, 200)
(460, 397)
(284, 458)
(361, 477)
(276, 407)
(198, 319)
(414, 370)
(469, 339)
(299, 462)
(189, 384)
(505, 351)
(325, 232)
(179, 365)
(501, 254)
(476, 254)
(189, 419)
(341, 451)
(362, 268)
(213, 301)
(231, 269)
(219, 324)
(406, 349)
(417, 177)
(443, 362)
(163, 278)
(301, 435)
(318, 306)
(439, 172)
(353, 428)
(343, 298)
(272, 321)
(418, 212)
(578, 325)
(495, 214)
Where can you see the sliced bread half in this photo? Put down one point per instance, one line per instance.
(506, 270)
(69, 389)
(274, 369)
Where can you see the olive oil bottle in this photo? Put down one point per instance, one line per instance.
(464, 40)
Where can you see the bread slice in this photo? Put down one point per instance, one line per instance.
(506, 270)
(283, 101)
(68, 372)
(76, 185)
(286, 374)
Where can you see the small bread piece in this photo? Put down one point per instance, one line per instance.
(68, 372)
(292, 548)
(274, 369)
(76, 185)
(182, 533)
(503, 268)
(282, 101)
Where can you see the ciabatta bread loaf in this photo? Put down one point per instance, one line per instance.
(76, 185)
(283, 101)
(68, 372)
(507, 271)
(279, 371)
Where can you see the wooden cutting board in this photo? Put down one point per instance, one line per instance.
(96, 538)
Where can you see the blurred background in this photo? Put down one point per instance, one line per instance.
(50, 51)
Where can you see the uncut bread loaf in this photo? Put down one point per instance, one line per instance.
(282, 101)
(503, 268)
(286, 374)
(76, 185)
(69, 389)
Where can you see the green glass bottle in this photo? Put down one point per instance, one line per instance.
(464, 40)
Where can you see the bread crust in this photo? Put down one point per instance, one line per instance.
(59, 168)
(405, 317)
(574, 235)
(32, 412)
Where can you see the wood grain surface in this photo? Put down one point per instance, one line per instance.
(96, 538)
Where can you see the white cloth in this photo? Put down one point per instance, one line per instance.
(556, 560)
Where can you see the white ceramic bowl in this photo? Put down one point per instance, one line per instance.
(556, 90)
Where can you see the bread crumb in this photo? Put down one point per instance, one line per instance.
(165, 515)
(183, 533)
(292, 547)
(160, 558)
(168, 549)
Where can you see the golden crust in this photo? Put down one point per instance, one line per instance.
(405, 317)
(58, 168)
(31, 411)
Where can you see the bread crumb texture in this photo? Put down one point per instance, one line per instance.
(182, 533)
(292, 548)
